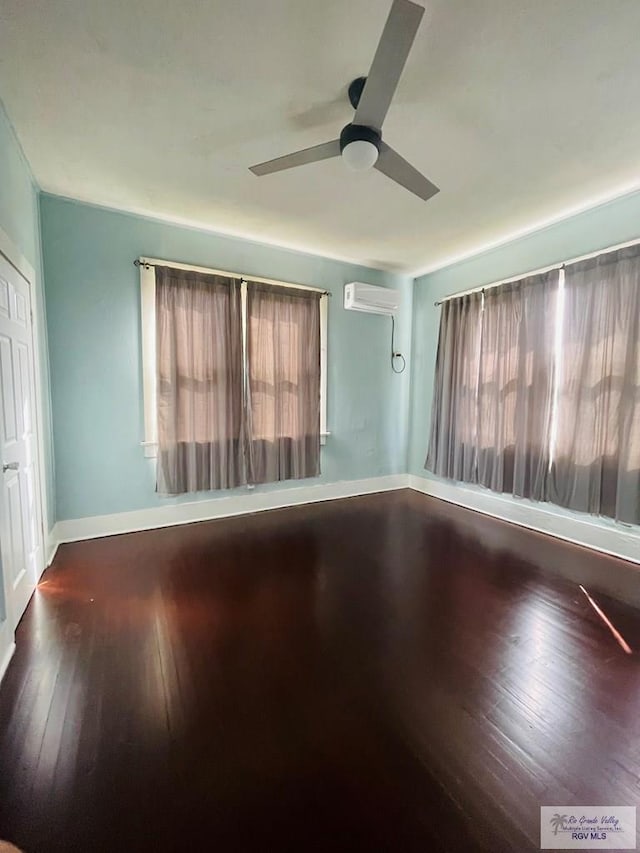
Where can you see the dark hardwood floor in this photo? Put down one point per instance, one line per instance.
(379, 673)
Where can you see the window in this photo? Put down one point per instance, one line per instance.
(229, 367)
(595, 466)
(493, 391)
(537, 389)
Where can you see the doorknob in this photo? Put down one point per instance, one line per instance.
(10, 466)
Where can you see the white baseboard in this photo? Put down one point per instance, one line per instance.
(6, 660)
(96, 526)
(52, 545)
(615, 541)
(608, 539)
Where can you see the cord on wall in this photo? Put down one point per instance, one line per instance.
(396, 356)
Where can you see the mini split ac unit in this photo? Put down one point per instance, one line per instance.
(367, 297)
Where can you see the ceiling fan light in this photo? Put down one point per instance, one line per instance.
(360, 155)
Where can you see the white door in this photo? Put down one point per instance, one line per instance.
(20, 522)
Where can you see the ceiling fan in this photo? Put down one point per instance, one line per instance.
(360, 142)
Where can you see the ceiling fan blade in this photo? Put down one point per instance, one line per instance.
(386, 68)
(391, 164)
(300, 158)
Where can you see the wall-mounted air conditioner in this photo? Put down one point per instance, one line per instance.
(370, 298)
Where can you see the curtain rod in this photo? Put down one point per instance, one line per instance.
(539, 271)
(147, 263)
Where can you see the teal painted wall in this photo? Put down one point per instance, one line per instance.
(92, 292)
(379, 421)
(19, 219)
(606, 225)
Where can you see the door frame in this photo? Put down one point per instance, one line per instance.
(20, 264)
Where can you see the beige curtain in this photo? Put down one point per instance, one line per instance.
(283, 393)
(515, 387)
(454, 413)
(199, 382)
(493, 394)
(596, 453)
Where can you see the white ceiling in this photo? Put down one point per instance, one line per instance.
(519, 110)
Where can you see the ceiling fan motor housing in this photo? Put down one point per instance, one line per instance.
(359, 133)
(355, 91)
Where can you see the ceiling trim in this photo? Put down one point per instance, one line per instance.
(543, 225)
(420, 272)
(195, 225)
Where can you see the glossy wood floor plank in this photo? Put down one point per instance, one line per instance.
(379, 673)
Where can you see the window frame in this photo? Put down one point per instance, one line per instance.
(148, 340)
